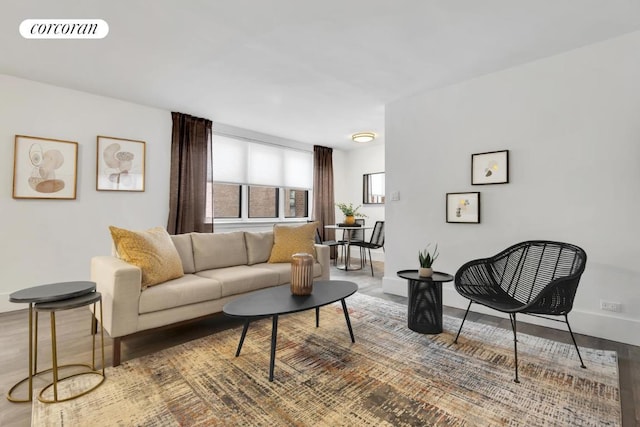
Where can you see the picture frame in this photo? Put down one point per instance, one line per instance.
(44, 168)
(120, 164)
(490, 168)
(463, 207)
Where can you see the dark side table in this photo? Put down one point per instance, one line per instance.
(425, 301)
(37, 295)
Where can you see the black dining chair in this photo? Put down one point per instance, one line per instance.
(330, 243)
(376, 242)
(538, 277)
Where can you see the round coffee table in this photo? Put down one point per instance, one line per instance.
(425, 301)
(273, 302)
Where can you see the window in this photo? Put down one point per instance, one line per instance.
(263, 202)
(296, 203)
(226, 200)
(252, 180)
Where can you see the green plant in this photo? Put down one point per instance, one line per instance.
(349, 210)
(427, 258)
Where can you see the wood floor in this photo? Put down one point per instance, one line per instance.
(74, 345)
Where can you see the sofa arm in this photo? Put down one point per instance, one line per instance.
(322, 256)
(120, 285)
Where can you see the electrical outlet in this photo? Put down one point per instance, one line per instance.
(610, 306)
(395, 195)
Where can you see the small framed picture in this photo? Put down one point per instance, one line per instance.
(463, 207)
(490, 168)
(44, 168)
(120, 164)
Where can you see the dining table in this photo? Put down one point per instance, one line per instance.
(346, 265)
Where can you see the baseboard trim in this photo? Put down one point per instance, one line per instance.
(585, 322)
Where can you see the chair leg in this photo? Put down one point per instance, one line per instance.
(463, 319)
(512, 316)
(574, 341)
(370, 262)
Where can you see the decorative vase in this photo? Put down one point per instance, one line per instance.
(425, 272)
(349, 219)
(301, 274)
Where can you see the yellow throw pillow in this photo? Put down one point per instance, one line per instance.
(289, 240)
(151, 250)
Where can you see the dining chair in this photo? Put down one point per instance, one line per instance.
(330, 243)
(376, 242)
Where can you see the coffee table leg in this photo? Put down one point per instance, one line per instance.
(317, 317)
(274, 334)
(346, 316)
(244, 333)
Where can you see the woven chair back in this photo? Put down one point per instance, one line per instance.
(523, 270)
(377, 236)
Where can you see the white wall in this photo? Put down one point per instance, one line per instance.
(46, 241)
(348, 167)
(572, 125)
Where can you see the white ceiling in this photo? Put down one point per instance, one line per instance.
(314, 72)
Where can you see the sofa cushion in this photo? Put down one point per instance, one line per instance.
(288, 240)
(241, 278)
(217, 250)
(183, 245)
(188, 289)
(258, 246)
(284, 270)
(152, 251)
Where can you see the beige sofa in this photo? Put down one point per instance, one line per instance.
(218, 267)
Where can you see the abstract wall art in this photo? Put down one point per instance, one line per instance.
(44, 168)
(490, 168)
(120, 164)
(463, 207)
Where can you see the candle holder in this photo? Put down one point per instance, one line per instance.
(301, 274)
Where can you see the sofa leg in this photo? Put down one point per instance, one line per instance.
(116, 351)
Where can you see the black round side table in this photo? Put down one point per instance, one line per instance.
(425, 301)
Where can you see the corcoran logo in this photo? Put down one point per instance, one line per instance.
(64, 29)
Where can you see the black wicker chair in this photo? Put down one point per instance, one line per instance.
(376, 242)
(538, 278)
(330, 243)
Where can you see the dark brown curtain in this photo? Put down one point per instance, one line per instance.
(190, 153)
(323, 201)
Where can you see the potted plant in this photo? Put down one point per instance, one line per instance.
(350, 212)
(427, 259)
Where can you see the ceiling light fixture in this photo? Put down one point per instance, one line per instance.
(363, 136)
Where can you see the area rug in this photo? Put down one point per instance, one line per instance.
(391, 376)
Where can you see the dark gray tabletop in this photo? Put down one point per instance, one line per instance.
(436, 277)
(69, 303)
(52, 292)
(278, 300)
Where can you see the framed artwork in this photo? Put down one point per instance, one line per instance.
(490, 168)
(120, 164)
(44, 168)
(463, 207)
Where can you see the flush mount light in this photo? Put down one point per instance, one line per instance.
(363, 136)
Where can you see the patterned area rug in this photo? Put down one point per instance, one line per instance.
(391, 376)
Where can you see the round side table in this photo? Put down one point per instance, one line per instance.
(68, 304)
(425, 301)
(42, 294)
